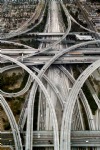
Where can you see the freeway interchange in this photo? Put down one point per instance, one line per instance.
(61, 98)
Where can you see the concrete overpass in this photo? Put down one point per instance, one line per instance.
(45, 139)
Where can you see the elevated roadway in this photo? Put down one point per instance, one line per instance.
(92, 91)
(42, 34)
(82, 98)
(41, 60)
(45, 138)
(14, 44)
(52, 52)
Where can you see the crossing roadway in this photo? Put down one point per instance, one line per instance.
(15, 52)
(45, 138)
